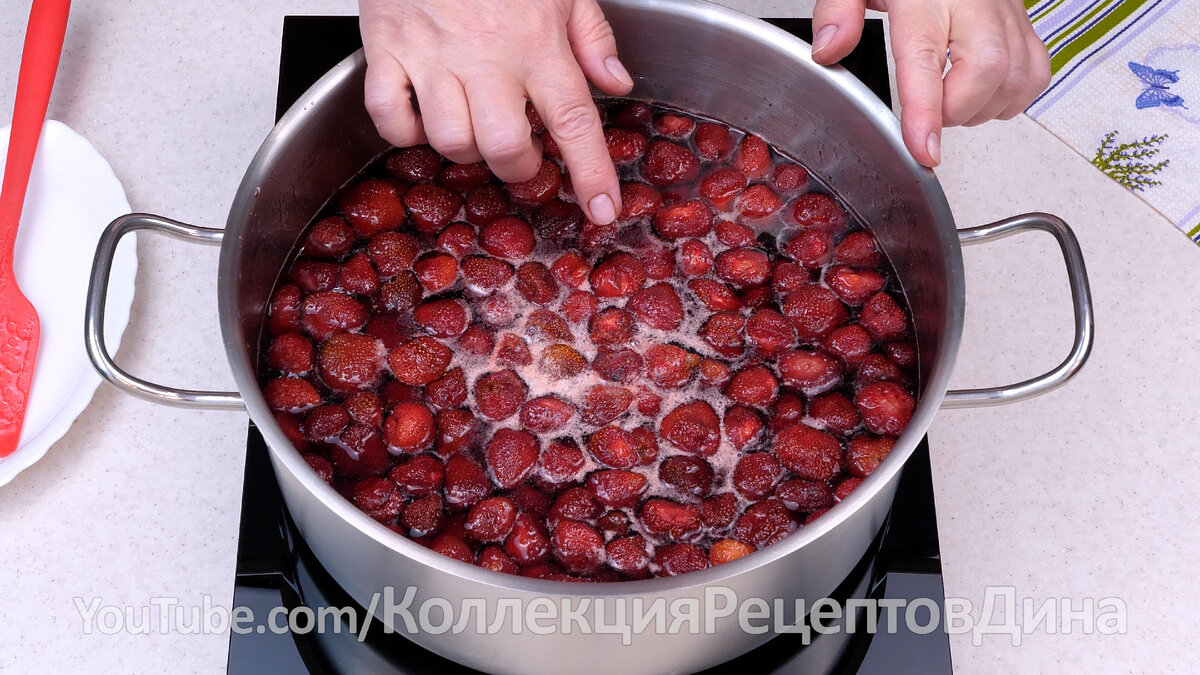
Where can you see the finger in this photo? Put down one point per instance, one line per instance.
(502, 132)
(595, 49)
(837, 28)
(446, 117)
(562, 99)
(1038, 79)
(1015, 83)
(919, 39)
(387, 95)
(980, 58)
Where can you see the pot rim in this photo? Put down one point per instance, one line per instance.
(933, 388)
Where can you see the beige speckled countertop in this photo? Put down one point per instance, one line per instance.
(1085, 493)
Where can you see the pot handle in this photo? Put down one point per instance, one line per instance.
(93, 324)
(1081, 302)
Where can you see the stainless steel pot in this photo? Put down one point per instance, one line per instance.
(688, 54)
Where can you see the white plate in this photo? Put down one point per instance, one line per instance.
(73, 195)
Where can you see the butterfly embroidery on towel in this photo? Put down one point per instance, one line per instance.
(1156, 92)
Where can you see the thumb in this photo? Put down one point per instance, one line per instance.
(837, 27)
(595, 48)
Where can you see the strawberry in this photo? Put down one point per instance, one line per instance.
(537, 190)
(419, 361)
(854, 286)
(291, 354)
(576, 503)
(579, 547)
(419, 476)
(674, 126)
(485, 204)
(755, 386)
(658, 262)
(728, 550)
(360, 453)
(878, 368)
(528, 542)
(372, 206)
(687, 219)
(811, 248)
(904, 353)
(808, 453)
(834, 412)
(720, 186)
(547, 326)
(364, 407)
(414, 165)
(580, 305)
(821, 211)
(657, 306)
(713, 140)
(511, 456)
(769, 332)
(637, 200)
(442, 318)
(546, 413)
(617, 488)
(350, 362)
(392, 252)
(692, 427)
(789, 410)
(448, 391)
(670, 520)
(431, 207)
(507, 237)
(561, 362)
(466, 483)
(691, 476)
(613, 447)
(498, 311)
(723, 332)
(358, 276)
(787, 276)
(558, 221)
(858, 249)
(561, 461)
(637, 116)
(614, 523)
(756, 475)
(490, 519)
(715, 295)
(283, 313)
(321, 466)
(456, 431)
(436, 271)
(717, 512)
(849, 343)
(618, 275)
(617, 365)
(758, 201)
(612, 326)
(670, 366)
(885, 407)
(743, 426)
(647, 402)
(378, 498)
(536, 284)
(788, 177)
(598, 239)
(713, 373)
(675, 559)
(883, 318)
(494, 558)
(734, 234)
(815, 311)
(290, 394)
(668, 163)
(628, 555)
(624, 145)
(395, 392)
(744, 267)
(484, 274)
(313, 276)
(457, 240)
(809, 371)
(409, 429)
(764, 523)
(865, 452)
(845, 487)
(603, 404)
(570, 270)
(453, 546)
(328, 313)
(325, 423)
(695, 258)
(498, 395)
(462, 178)
(802, 495)
(330, 238)
(753, 157)
(476, 340)
(400, 294)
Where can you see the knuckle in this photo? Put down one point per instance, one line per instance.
(451, 140)
(598, 32)
(924, 56)
(991, 59)
(572, 121)
(507, 147)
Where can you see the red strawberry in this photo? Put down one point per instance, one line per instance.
(603, 404)
(849, 343)
(808, 453)
(456, 431)
(788, 177)
(854, 286)
(713, 373)
(327, 313)
(528, 542)
(769, 332)
(466, 483)
(580, 305)
(758, 201)
(360, 453)
(658, 262)
(436, 271)
(350, 362)
(637, 200)
(422, 475)
(415, 164)
(476, 340)
(314, 276)
(674, 126)
(570, 270)
(560, 462)
(713, 141)
(811, 248)
(457, 240)
(688, 219)
(670, 520)
(453, 546)
(787, 276)
(511, 456)
(904, 353)
(419, 361)
(618, 275)
(675, 559)
(728, 550)
(612, 326)
(802, 495)
(392, 252)
(636, 116)
(498, 395)
(688, 474)
(365, 407)
(378, 498)
(432, 207)
(717, 512)
(325, 423)
(330, 238)
(537, 190)
(878, 368)
(442, 318)
(754, 386)
(448, 391)
(809, 371)
(291, 354)
(546, 413)
(398, 295)
(613, 447)
(721, 185)
(845, 487)
(547, 326)
(507, 237)
(358, 275)
(756, 474)
(578, 547)
(289, 394)
(885, 407)
(321, 466)
(668, 163)
(695, 258)
(858, 249)
(498, 311)
(764, 523)
(490, 519)
(789, 410)
(617, 365)
(753, 157)
(372, 206)
(815, 311)
(734, 234)
(536, 284)
(575, 503)
(617, 488)
(558, 221)
(692, 427)
(744, 267)
(743, 426)
(283, 314)
(723, 332)
(657, 306)
(670, 366)
(628, 555)
(485, 274)
(624, 145)
(409, 428)
(883, 318)
(485, 204)
(614, 523)
(494, 558)
(715, 295)
(819, 210)
(561, 362)
(648, 403)
(864, 453)
(835, 412)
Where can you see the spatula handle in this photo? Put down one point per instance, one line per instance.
(39, 63)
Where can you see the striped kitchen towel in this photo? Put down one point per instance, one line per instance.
(1126, 94)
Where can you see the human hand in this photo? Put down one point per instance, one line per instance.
(999, 65)
(473, 63)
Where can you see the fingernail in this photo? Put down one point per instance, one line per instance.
(603, 211)
(824, 37)
(934, 145)
(613, 64)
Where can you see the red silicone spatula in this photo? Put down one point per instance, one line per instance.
(19, 327)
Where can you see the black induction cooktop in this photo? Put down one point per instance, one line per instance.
(275, 569)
